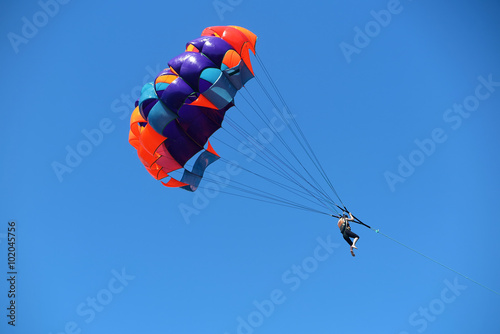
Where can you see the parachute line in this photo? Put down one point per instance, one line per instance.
(437, 262)
(279, 163)
(287, 109)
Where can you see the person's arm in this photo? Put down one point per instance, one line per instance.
(351, 218)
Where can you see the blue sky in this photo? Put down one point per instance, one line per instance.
(399, 101)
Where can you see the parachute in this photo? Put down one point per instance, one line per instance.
(177, 113)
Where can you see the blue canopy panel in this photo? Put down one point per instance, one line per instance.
(193, 178)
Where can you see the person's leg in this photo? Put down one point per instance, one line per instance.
(354, 243)
(349, 235)
(346, 238)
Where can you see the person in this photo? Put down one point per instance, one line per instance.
(345, 229)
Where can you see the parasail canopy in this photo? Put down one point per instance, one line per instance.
(177, 113)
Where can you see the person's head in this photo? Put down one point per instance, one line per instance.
(344, 215)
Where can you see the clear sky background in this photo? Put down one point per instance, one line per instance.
(401, 110)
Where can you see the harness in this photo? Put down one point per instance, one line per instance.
(343, 226)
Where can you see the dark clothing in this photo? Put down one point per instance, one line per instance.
(347, 233)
